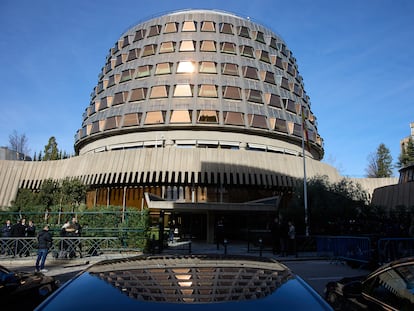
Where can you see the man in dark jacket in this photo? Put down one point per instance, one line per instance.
(44, 240)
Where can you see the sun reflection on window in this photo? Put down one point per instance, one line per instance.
(185, 67)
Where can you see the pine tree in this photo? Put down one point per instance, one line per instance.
(380, 163)
(51, 150)
(407, 154)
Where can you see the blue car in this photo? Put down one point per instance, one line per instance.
(193, 282)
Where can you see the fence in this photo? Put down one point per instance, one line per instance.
(348, 248)
(390, 249)
(67, 247)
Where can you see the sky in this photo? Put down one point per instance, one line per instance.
(356, 59)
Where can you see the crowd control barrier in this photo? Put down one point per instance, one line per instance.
(390, 249)
(345, 248)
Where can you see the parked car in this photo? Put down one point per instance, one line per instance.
(24, 290)
(390, 287)
(192, 282)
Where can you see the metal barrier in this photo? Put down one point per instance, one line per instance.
(348, 248)
(390, 249)
(63, 247)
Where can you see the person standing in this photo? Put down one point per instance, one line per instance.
(77, 233)
(292, 238)
(44, 240)
(6, 233)
(18, 231)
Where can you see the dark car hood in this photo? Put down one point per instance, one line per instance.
(207, 283)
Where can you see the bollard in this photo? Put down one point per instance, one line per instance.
(260, 247)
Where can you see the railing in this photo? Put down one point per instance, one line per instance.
(67, 247)
(390, 249)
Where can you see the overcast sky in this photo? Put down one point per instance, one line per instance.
(356, 58)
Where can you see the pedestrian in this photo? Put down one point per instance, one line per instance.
(77, 233)
(292, 238)
(30, 233)
(44, 240)
(220, 232)
(6, 233)
(18, 231)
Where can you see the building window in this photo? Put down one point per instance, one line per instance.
(154, 117)
(226, 28)
(268, 77)
(180, 116)
(259, 37)
(111, 80)
(139, 35)
(228, 47)
(186, 67)
(138, 94)
(131, 119)
(273, 43)
(120, 98)
(258, 121)
(208, 26)
(247, 51)
(95, 127)
(118, 60)
(289, 105)
(149, 50)
(208, 67)
(207, 116)
(183, 90)
(155, 30)
(231, 92)
(291, 70)
(243, 31)
(167, 47)
(208, 46)
(263, 56)
(280, 125)
(207, 90)
(250, 72)
(189, 26)
(102, 104)
(230, 69)
(254, 96)
(112, 123)
(233, 118)
(163, 68)
(279, 63)
(285, 83)
(187, 46)
(159, 91)
(144, 71)
(273, 100)
(133, 54)
(125, 41)
(127, 75)
(171, 27)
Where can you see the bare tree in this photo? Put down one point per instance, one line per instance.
(18, 142)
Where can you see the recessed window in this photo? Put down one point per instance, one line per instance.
(297, 89)
(231, 92)
(243, 31)
(230, 69)
(208, 67)
(187, 46)
(133, 54)
(186, 67)
(291, 70)
(268, 77)
(208, 26)
(149, 50)
(125, 41)
(154, 30)
(284, 50)
(250, 72)
(189, 26)
(289, 105)
(226, 28)
(131, 119)
(279, 63)
(111, 80)
(257, 121)
(207, 116)
(159, 91)
(207, 90)
(297, 130)
(228, 47)
(144, 71)
(102, 104)
(273, 100)
(120, 98)
(254, 96)
(95, 127)
(273, 43)
(259, 37)
(247, 51)
(138, 94)
(180, 116)
(118, 60)
(285, 83)
(167, 47)
(183, 90)
(233, 118)
(171, 27)
(112, 123)
(127, 75)
(108, 67)
(280, 125)
(263, 56)
(139, 35)
(163, 68)
(208, 46)
(154, 117)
